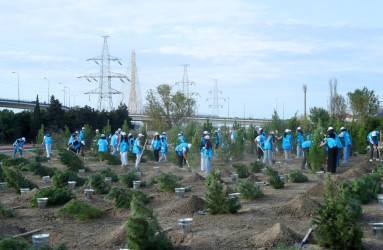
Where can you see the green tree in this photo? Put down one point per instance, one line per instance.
(363, 103)
(107, 130)
(120, 115)
(317, 114)
(208, 126)
(317, 155)
(125, 127)
(56, 115)
(166, 109)
(40, 135)
(36, 118)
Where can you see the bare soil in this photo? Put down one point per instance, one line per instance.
(281, 216)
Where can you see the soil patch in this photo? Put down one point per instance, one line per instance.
(299, 206)
(279, 233)
(253, 178)
(319, 189)
(194, 178)
(7, 229)
(114, 239)
(190, 205)
(225, 172)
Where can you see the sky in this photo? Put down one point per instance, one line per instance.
(261, 52)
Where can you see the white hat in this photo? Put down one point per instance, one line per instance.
(164, 133)
(76, 132)
(129, 134)
(123, 133)
(260, 129)
(102, 135)
(179, 135)
(373, 133)
(23, 138)
(287, 130)
(330, 128)
(119, 129)
(299, 128)
(207, 137)
(219, 129)
(189, 145)
(83, 127)
(116, 132)
(271, 132)
(205, 132)
(97, 130)
(342, 128)
(140, 135)
(156, 133)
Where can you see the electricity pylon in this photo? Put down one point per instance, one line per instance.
(104, 90)
(215, 92)
(186, 82)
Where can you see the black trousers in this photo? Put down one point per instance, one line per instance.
(156, 154)
(306, 153)
(180, 160)
(372, 152)
(332, 154)
(259, 153)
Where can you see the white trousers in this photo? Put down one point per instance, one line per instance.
(48, 147)
(124, 158)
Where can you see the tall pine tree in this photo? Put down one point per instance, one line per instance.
(36, 119)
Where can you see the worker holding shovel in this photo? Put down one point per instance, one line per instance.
(373, 138)
(138, 149)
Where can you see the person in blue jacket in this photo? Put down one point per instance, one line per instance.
(332, 150)
(205, 133)
(164, 148)
(373, 139)
(47, 142)
(346, 142)
(182, 151)
(114, 143)
(269, 148)
(299, 140)
(131, 141)
(287, 144)
(260, 141)
(218, 138)
(18, 146)
(74, 143)
(207, 151)
(123, 147)
(306, 149)
(102, 144)
(82, 140)
(181, 137)
(138, 149)
(156, 144)
(339, 145)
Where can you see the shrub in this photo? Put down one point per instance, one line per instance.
(148, 154)
(16, 180)
(143, 230)
(80, 210)
(363, 189)
(39, 158)
(214, 176)
(378, 169)
(237, 149)
(98, 183)
(122, 197)
(39, 169)
(128, 178)
(60, 179)
(242, 170)
(167, 182)
(317, 155)
(274, 179)
(56, 196)
(296, 176)
(107, 172)
(110, 159)
(335, 224)
(5, 213)
(7, 242)
(216, 201)
(256, 166)
(4, 157)
(248, 190)
(15, 162)
(70, 159)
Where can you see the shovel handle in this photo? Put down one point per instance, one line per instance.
(307, 236)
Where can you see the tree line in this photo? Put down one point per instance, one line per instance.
(27, 123)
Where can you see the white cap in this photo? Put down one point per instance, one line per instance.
(260, 129)
(373, 133)
(102, 135)
(179, 135)
(23, 138)
(299, 128)
(97, 130)
(129, 134)
(271, 132)
(189, 145)
(205, 132)
(219, 129)
(164, 133)
(342, 128)
(116, 132)
(123, 133)
(83, 127)
(330, 128)
(207, 137)
(156, 133)
(119, 129)
(140, 135)
(287, 130)
(76, 132)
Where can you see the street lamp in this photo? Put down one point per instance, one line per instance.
(64, 91)
(18, 85)
(48, 87)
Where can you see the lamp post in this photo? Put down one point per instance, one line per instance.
(18, 85)
(63, 90)
(48, 87)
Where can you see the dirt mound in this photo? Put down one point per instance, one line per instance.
(319, 189)
(114, 239)
(353, 173)
(190, 205)
(225, 172)
(253, 178)
(8, 229)
(29, 196)
(279, 233)
(365, 166)
(194, 178)
(299, 206)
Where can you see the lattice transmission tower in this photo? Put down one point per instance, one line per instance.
(186, 83)
(215, 105)
(104, 77)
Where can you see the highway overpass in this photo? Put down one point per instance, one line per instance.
(21, 104)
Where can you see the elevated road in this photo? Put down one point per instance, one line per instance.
(16, 104)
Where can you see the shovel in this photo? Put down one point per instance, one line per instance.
(302, 244)
(187, 163)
